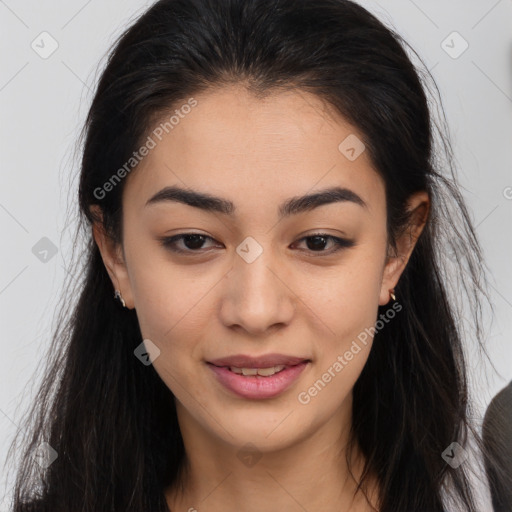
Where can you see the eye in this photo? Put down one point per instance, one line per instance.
(194, 242)
(316, 242)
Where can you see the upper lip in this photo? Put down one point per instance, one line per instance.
(265, 361)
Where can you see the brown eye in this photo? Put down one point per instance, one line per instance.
(318, 241)
(191, 242)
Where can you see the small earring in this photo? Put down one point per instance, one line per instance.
(391, 292)
(118, 296)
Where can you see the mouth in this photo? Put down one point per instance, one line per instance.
(258, 377)
(265, 361)
(262, 372)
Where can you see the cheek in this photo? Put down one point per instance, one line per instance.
(170, 318)
(347, 304)
(165, 294)
(348, 309)
(175, 322)
(174, 310)
(345, 298)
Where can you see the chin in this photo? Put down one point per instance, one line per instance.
(269, 430)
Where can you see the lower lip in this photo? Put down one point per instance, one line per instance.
(257, 387)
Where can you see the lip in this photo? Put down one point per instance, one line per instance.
(265, 361)
(257, 387)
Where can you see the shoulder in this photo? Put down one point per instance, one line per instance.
(501, 403)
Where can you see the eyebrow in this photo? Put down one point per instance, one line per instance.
(292, 206)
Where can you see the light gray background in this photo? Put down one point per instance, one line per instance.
(44, 102)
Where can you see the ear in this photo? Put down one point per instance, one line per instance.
(418, 206)
(113, 258)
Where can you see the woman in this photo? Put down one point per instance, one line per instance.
(265, 319)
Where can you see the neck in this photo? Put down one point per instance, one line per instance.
(310, 474)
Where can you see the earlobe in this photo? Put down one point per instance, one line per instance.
(113, 260)
(392, 272)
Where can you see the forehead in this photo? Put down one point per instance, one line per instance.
(239, 146)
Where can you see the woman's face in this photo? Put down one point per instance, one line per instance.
(255, 285)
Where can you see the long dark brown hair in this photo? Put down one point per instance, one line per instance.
(112, 420)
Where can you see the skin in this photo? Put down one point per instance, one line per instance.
(291, 300)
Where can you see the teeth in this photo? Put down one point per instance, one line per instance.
(264, 372)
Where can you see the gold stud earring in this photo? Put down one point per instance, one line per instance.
(392, 294)
(117, 295)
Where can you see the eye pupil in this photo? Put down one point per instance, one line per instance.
(195, 240)
(318, 242)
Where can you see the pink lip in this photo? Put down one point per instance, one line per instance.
(256, 387)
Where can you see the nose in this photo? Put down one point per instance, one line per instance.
(257, 297)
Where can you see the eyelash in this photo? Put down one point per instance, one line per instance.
(339, 243)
